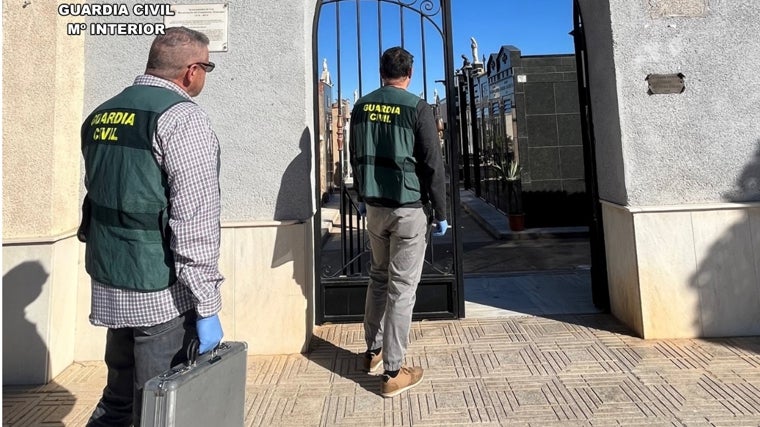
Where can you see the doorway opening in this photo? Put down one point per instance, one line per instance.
(517, 141)
(351, 35)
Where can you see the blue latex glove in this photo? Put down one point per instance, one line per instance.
(209, 332)
(440, 227)
(362, 208)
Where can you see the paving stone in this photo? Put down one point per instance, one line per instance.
(576, 370)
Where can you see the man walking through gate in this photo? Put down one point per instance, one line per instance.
(151, 222)
(398, 169)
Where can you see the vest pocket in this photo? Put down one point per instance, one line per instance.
(129, 259)
(411, 183)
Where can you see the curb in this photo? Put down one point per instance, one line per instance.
(497, 224)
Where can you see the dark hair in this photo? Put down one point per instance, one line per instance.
(396, 62)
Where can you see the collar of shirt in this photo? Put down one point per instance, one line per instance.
(148, 80)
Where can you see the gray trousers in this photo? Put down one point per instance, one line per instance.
(398, 237)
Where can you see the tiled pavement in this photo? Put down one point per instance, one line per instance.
(568, 370)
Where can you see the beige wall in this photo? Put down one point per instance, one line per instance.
(39, 308)
(268, 293)
(42, 111)
(686, 270)
(43, 71)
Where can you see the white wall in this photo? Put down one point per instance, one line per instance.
(699, 146)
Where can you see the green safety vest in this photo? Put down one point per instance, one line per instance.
(127, 198)
(384, 162)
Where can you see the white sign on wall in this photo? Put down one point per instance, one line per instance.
(210, 19)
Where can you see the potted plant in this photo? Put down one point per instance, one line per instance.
(514, 196)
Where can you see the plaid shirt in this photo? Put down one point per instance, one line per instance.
(187, 149)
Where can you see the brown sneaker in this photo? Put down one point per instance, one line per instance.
(373, 361)
(406, 379)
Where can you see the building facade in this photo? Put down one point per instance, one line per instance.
(528, 112)
(340, 167)
(324, 113)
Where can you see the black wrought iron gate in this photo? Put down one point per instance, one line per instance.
(599, 286)
(355, 33)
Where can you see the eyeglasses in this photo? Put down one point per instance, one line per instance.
(207, 66)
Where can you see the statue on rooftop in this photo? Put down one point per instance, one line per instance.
(325, 77)
(474, 46)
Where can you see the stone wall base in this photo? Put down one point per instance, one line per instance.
(685, 271)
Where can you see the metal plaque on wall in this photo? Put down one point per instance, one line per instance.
(210, 19)
(665, 83)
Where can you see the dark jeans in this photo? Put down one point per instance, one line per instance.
(133, 356)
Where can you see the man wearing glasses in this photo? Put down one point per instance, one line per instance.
(151, 222)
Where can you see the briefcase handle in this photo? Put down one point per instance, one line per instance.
(193, 348)
(192, 351)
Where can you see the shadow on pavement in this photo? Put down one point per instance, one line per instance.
(342, 362)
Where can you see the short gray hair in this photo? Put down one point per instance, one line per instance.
(170, 51)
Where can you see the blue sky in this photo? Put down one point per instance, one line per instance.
(533, 26)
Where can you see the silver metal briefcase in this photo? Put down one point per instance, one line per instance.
(209, 392)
